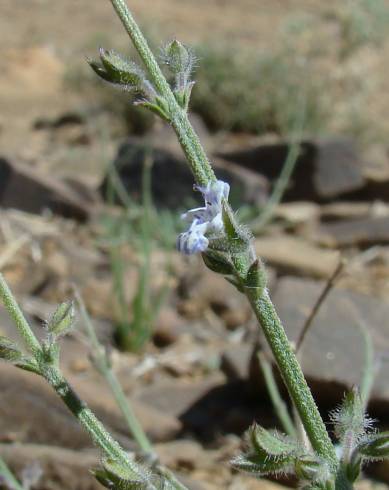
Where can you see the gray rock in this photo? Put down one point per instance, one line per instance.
(235, 361)
(354, 232)
(171, 179)
(332, 356)
(325, 168)
(31, 190)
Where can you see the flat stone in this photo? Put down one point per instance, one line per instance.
(354, 232)
(325, 168)
(235, 361)
(296, 255)
(61, 468)
(30, 189)
(333, 351)
(175, 191)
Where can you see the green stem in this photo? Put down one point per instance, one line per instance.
(117, 391)
(188, 138)
(9, 476)
(54, 377)
(275, 397)
(262, 306)
(85, 416)
(293, 376)
(17, 316)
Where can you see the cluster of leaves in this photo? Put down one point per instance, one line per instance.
(271, 453)
(128, 76)
(60, 323)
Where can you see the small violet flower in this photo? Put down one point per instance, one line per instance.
(207, 220)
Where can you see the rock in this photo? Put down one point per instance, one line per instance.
(325, 168)
(352, 210)
(175, 397)
(171, 179)
(333, 351)
(184, 454)
(296, 255)
(235, 361)
(354, 232)
(206, 407)
(201, 290)
(61, 468)
(299, 212)
(33, 191)
(168, 327)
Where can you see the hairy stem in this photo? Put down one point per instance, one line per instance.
(275, 396)
(17, 316)
(262, 306)
(293, 376)
(54, 377)
(102, 363)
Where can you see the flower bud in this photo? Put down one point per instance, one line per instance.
(62, 320)
(179, 58)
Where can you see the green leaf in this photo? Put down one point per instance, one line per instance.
(9, 351)
(350, 420)
(238, 238)
(62, 320)
(116, 476)
(312, 468)
(183, 95)
(375, 447)
(260, 465)
(120, 70)
(158, 106)
(268, 452)
(256, 277)
(271, 443)
(218, 262)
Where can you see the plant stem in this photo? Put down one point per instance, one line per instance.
(117, 391)
(293, 376)
(275, 397)
(87, 419)
(54, 377)
(17, 316)
(8, 476)
(187, 137)
(262, 306)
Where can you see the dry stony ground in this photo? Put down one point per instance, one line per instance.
(196, 387)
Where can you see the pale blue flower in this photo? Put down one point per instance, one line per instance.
(204, 221)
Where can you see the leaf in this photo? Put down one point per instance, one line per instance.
(256, 277)
(350, 421)
(218, 262)
(271, 443)
(268, 453)
(376, 447)
(312, 468)
(120, 70)
(9, 351)
(259, 465)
